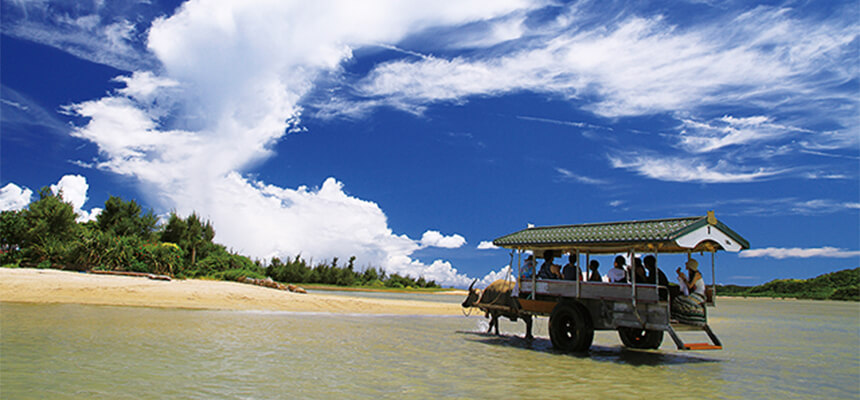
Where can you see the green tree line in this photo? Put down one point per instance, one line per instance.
(840, 285)
(125, 237)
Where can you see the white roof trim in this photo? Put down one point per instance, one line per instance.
(708, 232)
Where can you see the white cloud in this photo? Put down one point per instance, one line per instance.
(570, 176)
(674, 169)
(73, 189)
(14, 197)
(87, 30)
(503, 273)
(795, 252)
(702, 137)
(233, 74)
(638, 65)
(436, 239)
(487, 245)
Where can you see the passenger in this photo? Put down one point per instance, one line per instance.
(617, 273)
(594, 276)
(571, 271)
(529, 266)
(690, 308)
(656, 276)
(546, 268)
(555, 271)
(640, 271)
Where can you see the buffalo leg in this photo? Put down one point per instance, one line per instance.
(528, 320)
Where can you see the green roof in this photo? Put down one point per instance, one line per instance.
(647, 235)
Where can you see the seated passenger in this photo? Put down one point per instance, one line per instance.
(690, 308)
(617, 273)
(594, 275)
(656, 276)
(640, 271)
(528, 269)
(571, 271)
(546, 268)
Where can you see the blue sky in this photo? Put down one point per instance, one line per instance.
(409, 134)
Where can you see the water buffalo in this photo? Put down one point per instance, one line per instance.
(498, 294)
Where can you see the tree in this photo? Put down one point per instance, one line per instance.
(126, 218)
(191, 234)
(51, 227)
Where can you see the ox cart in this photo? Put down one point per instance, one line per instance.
(639, 311)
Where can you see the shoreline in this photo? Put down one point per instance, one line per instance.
(48, 286)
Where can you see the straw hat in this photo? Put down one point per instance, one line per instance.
(692, 264)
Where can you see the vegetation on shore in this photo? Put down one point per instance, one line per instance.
(124, 237)
(840, 285)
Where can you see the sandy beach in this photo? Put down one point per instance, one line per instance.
(53, 286)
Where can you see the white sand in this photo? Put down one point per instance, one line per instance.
(53, 286)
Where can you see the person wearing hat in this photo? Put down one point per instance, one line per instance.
(529, 267)
(690, 308)
(692, 282)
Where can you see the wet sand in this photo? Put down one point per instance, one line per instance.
(52, 286)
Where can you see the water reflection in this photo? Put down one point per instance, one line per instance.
(618, 354)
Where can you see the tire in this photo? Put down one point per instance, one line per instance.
(636, 338)
(570, 328)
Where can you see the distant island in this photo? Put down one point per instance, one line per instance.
(840, 285)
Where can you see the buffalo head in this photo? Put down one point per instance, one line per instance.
(474, 295)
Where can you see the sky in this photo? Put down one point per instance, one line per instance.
(410, 134)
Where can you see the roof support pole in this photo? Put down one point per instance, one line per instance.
(633, 275)
(578, 273)
(713, 278)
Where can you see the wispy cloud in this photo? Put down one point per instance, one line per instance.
(677, 169)
(20, 110)
(574, 124)
(769, 207)
(796, 252)
(568, 175)
(93, 31)
(703, 137)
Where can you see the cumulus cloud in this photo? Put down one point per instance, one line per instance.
(796, 252)
(436, 239)
(503, 273)
(231, 78)
(73, 189)
(486, 245)
(14, 197)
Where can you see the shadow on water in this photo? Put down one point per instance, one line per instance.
(620, 355)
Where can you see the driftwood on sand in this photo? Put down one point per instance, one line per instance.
(126, 273)
(269, 283)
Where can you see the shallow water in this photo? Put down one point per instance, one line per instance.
(773, 349)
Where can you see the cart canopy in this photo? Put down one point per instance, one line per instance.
(672, 235)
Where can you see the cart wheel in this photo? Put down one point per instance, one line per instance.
(570, 328)
(640, 338)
